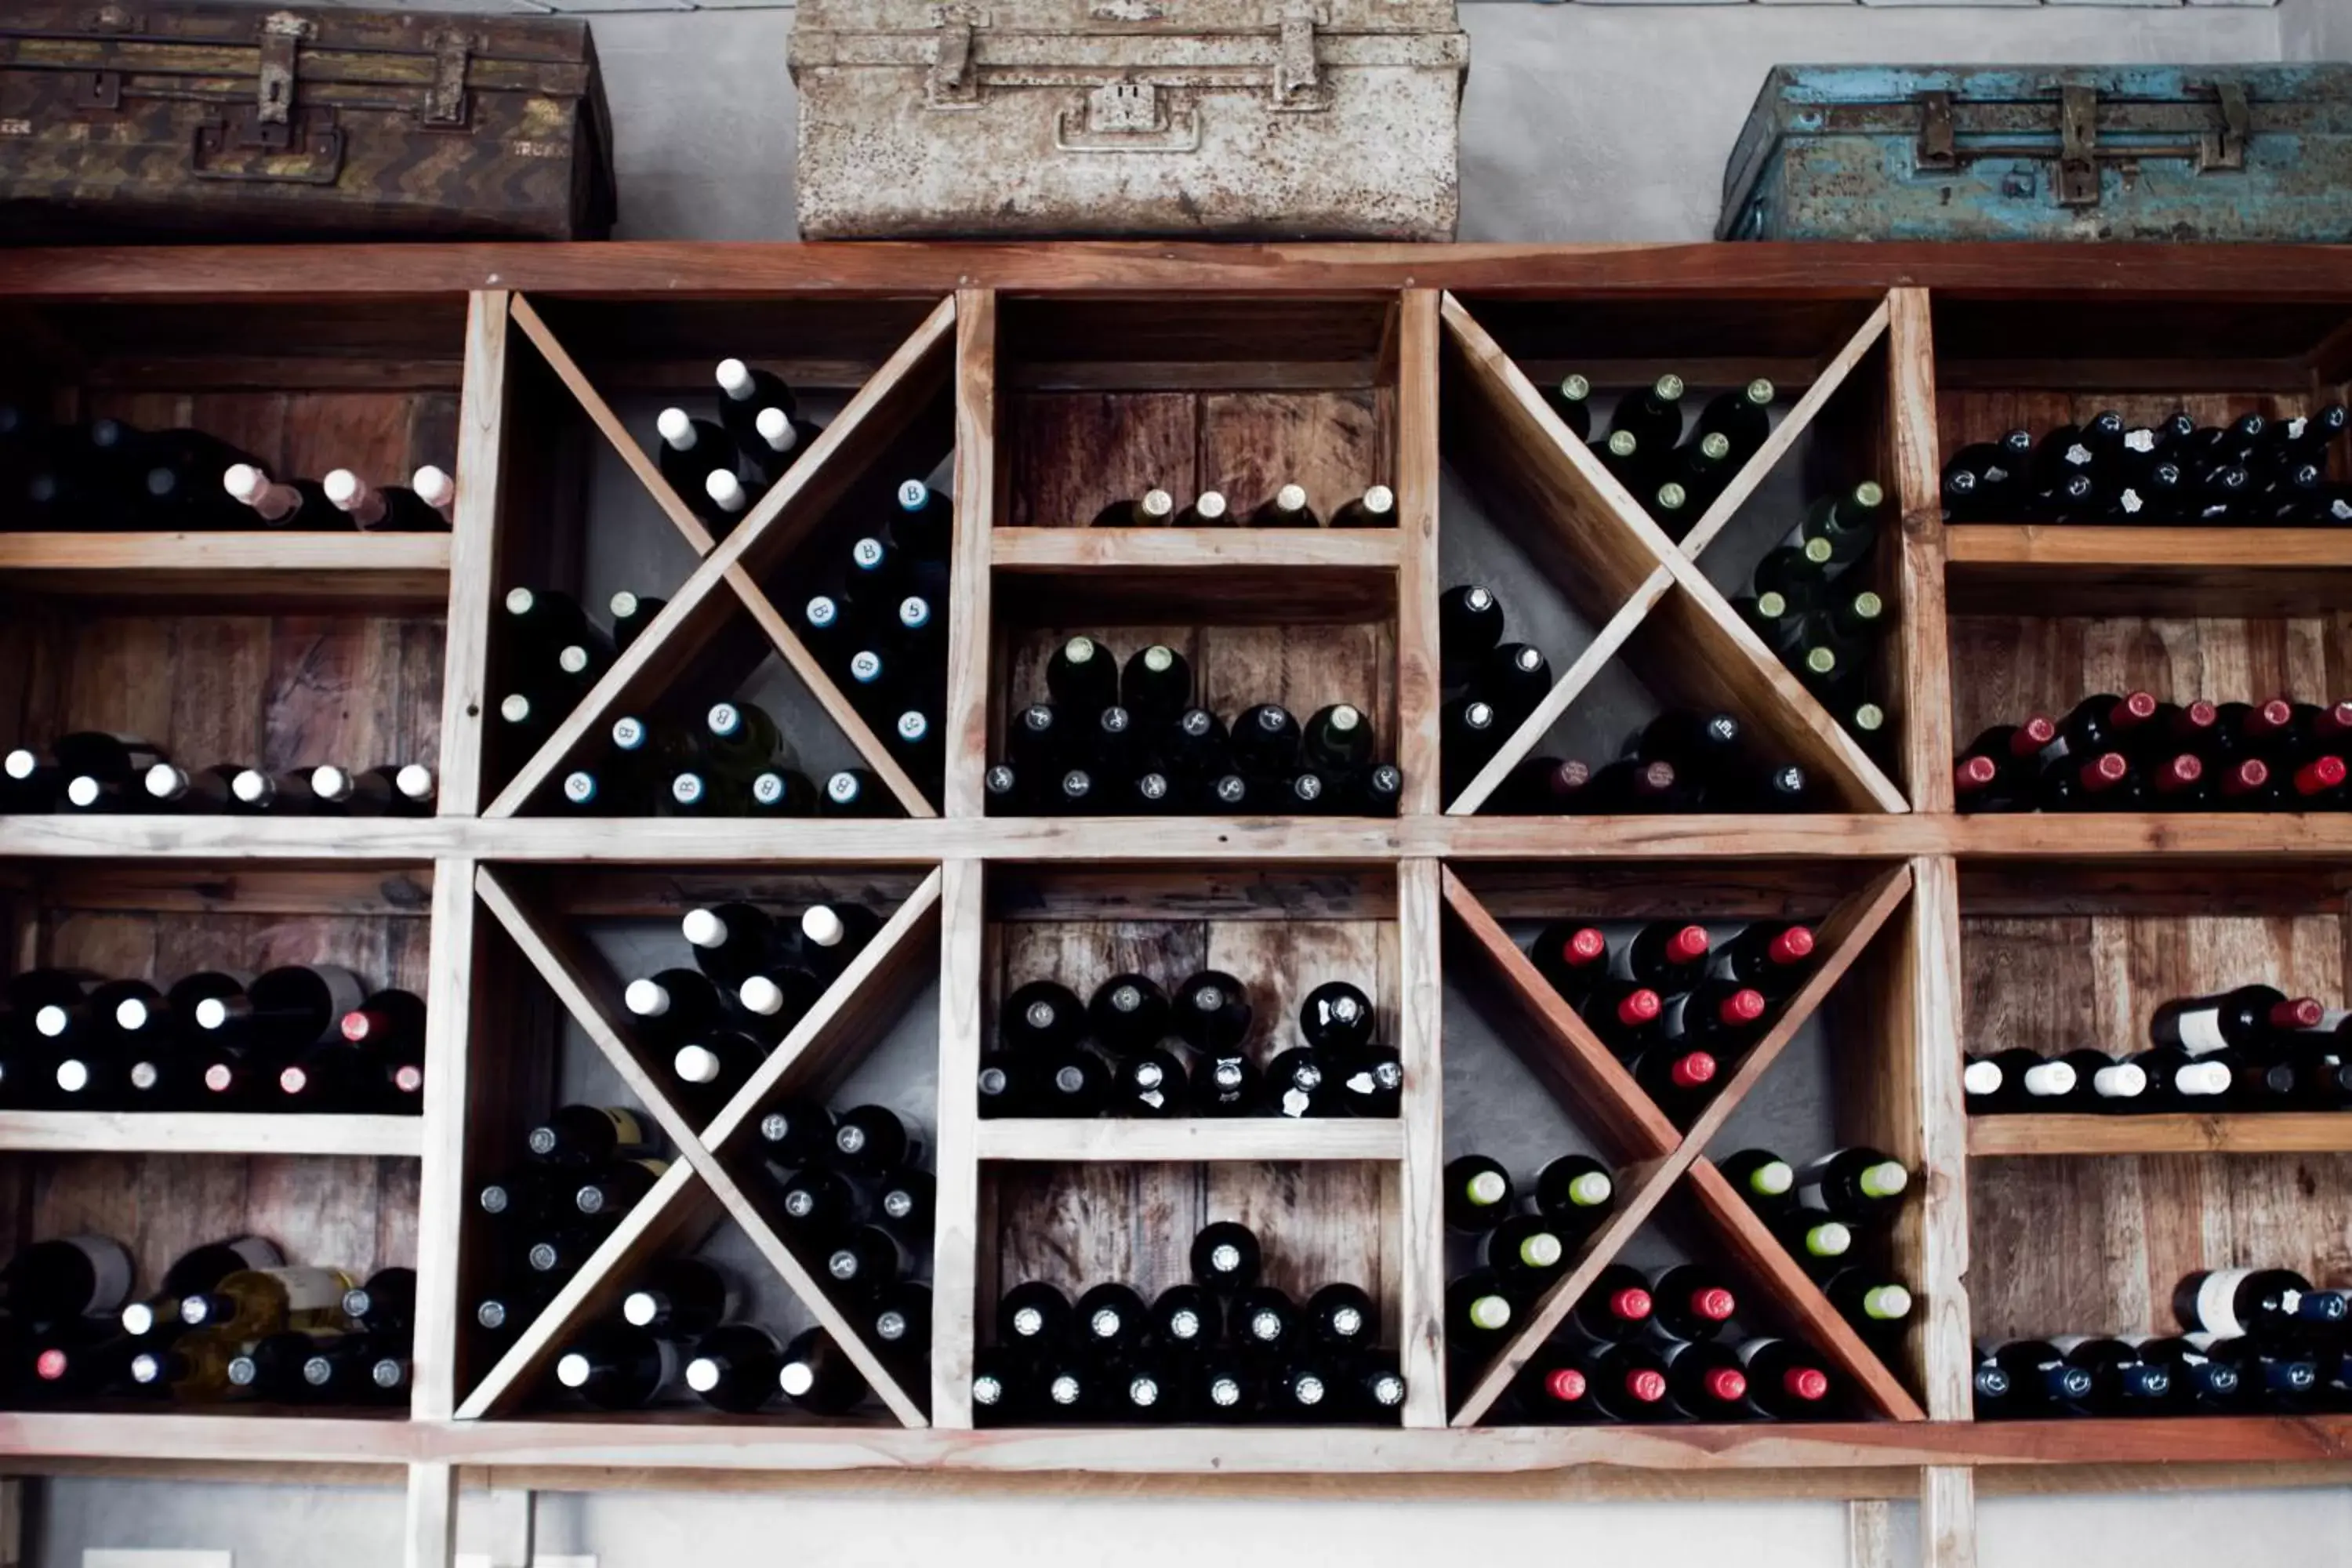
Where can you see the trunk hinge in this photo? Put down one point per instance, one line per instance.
(445, 104)
(2078, 146)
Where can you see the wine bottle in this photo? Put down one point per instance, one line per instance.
(1477, 1194)
(865, 1261)
(1857, 1185)
(730, 941)
(1211, 1012)
(616, 1367)
(796, 1133)
(1524, 1255)
(390, 509)
(1875, 1306)
(1742, 415)
(1034, 1317)
(2270, 1376)
(1767, 1183)
(1701, 744)
(1820, 1246)
(301, 505)
(1041, 1015)
(736, 1367)
(2121, 1383)
(1225, 1256)
(2104, 1083)
(1155, 507)
(2179, 1081)
(1469, 624)
(613, 1192)
(1478, 1314)
(1553, 1388)
(1186, 1318)
(831, 936)
(1129, 1013)
(1573, 1192)
(2199, 1382)
(740, 741)
(404, 789)
(1343, 1318)
(2253, 1020)
(778, 998)
(1848, 522)
(1785, 1381)
(1574, 957)
(998, 1389)
(385, 1306)
(1706, 1381)
(873, 1140)
(1286, 508)
(1653, 417)
(1680, 1080)
(1208, 510)
(1718, 1015)
(1338, 739)
(906, 1204)
(1082, 676)
(1768, 958)
(251, 1303)
(1570, 397)
(70, 1277)
(578, 1136)
(1615, 1306)
(1156, 685)
(1515, 678)
(1689, 1302)
(1624, 1014)
(2039, 1379)
(285, 1010)
(691, 450)
(2260, 1303)
(1110, 1318)
(818, 1208)
(1265, 740)
(206, 792)
(1227, 1085)
(1628, 1383)
(675, 1005)
(1376, 508)
(437, 488)
(1372, 1081)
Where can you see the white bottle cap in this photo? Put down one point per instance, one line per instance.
(515, 709)
(2202, 1078)
(726, 490)
(675, 428)
(73, 1076)
(1211, 504)
(686, 789)
(572, 1370)
(520, 600)
(245, 481)
(1157, 502)
(703, 927)
(49, 1022)
(328, 781)
(697, 1063)
(735, 378)
(776, 429)
(211, 1013)
(724, 719)
(20, 763)
(1291, 498)
(624, 605)
(1380, 500)
(580, 786)
(1344, 718)
(131, 1014)
(701, 1372)
(343, 487)
(414, 780)
(762, 995)
(820, 925)
(2124, 1080)
(2046, 1078)
(913, 495)
(797, 1378)
(83, 792)
(434, 486)
(1981, 1077)
(163, 781)
(646, 998)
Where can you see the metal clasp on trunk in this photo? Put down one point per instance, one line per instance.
(1126, 116)
(2078, 147)
(445, 104)
(2225, 148)
(954, 79)
(1299, 85)
(282, 32)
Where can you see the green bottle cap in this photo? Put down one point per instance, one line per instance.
(1668, 387)
(1870, 717)
(1828, 1239)
(1771, 603)
(1886, 1179)
(1868, 496)
(1760, 392)
(1591, 1190)
(1887, 1304)
(1541, 1250)
(1671, 496)
(1490, 1312)
(1574, 387)
(1820, 660)
(1772, 1179)
(1487, 1188)
(1817, 551)
(1714, 446)
(1621, 444)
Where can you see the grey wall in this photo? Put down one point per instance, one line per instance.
(1582, 122)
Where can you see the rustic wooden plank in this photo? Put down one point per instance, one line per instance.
(978, 497)
(1420, 1176)
(1948, 1517)
(475, 549)
(1869, 1533)
(450, 996)
(2047, 569)
(1066, 1140)
(431, 1522)
(958, 1237)
(1254, 443)
(1792, 425)
(1921, 684)
(2297, 1132)
(1203, 551)
(1419, 339)
(170, 1132)
(1068, 456)
(241, 571)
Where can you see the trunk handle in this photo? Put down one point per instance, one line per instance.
(2218, 148)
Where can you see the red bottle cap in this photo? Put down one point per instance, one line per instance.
(1806, 1383)
(2298, 1012)
(2105, 772)
(2032, 735)
(1713, 1303)
(1796, 944)
(1585, 947)
(1726, 1383)
(1632, 1304)
(218, 1078)
(2271, 717)
(2335, 719)
(1565, 1385)
(1693, 1071)
(1570, 776)
(1640, 1006)
(2179, 773)
(1742, 1006)
(2246, 777)
(1657, 777)
(1687, 945)
(2137, 708)
(2319, 774)
(50, 1365)
(1974, 774)
(408, 1078)
(1645, 1385)
(358, 1024)
(2200, 715)
(293, 1080)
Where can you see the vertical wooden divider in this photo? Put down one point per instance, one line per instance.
(1418, 693)
(431, 1515)
(483, 402)
(970, 589)
(1421, 1343)
(441, 1185)
(955, 1248)
(1948, 1517)
(1923, 645)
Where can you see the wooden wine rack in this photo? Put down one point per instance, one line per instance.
(1134, 363)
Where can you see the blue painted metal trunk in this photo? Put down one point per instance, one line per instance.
(2182, 152)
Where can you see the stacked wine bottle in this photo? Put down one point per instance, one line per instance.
(1671, 1002)
(1132, 742)
(720, 467)
(229, 1321)
(1226, 1347)
(2136, 752)
(2249, 1049)
(302, 1038)
(1057, 1056)
(1491, 685)
(2255, 471)
(1289, 506)
(2250, 1339)
(1676, 478)
(107, 476)
(1812, 602)
(1833, 1215)
(99, 770)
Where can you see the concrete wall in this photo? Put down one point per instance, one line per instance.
(1583, 122)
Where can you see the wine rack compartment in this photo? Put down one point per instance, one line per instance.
(1031, 393)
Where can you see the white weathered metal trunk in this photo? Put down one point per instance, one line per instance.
(1261, 118)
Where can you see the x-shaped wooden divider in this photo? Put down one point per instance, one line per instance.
(1602, 547)
(861, 1000)
(1654, 1154)
(873, 426)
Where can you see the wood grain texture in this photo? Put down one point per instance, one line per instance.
(451, 989)
(1065, 1140)
(167, 1132)
(1419, 1178)
(431, 1524)
(2045, 569)
(1948, 1517)
(958, 1237)
(1418, 339)
(250, 572)
(476, 544)
(1785, 434)
(979, 501)
(1921, 683)
(2303, 1133)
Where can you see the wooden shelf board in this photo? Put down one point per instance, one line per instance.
(1193, 549)
(2285, 1132)
(382, 570)
(201, 1132)
(2045, 569)
(1195, 1137)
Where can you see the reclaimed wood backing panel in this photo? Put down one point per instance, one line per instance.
(2015, 665)
(383, 436)
(1072, 454)
(2096, 1244)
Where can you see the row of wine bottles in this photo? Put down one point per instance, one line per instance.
(1831, 1214)
(2251, 1339)
(109, 476)
(756, 976)
(1643, 445)
(1573, 1380)
(1226, 1346)
(99, 770)
(721, 469)
(229, 1319)
(1681, 761)
(1666, 1002)
(1289, 506)
(1042, 1064)
(2250, 1049)
(1491, 685)
(299, 1038)
(2136, 752)
(2255, 470)
(1811, 602)
(1131, 741)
